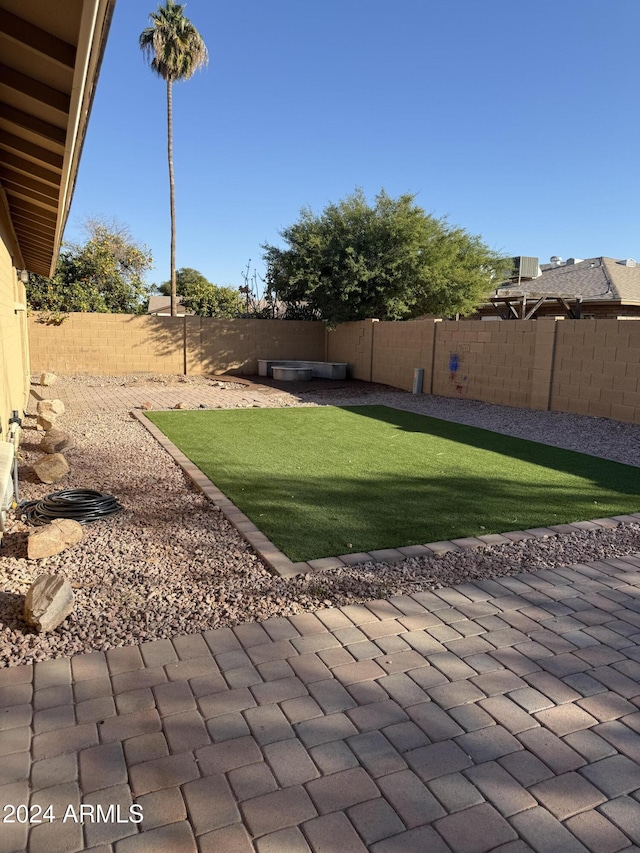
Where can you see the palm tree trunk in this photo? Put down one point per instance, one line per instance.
(172, 199)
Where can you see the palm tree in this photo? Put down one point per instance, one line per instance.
(175, 50)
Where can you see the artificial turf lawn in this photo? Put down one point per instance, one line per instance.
(325, 481)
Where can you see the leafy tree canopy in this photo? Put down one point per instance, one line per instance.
(202, 296)
(390, 260)
(185, 277)
(105, 274)
(173, 46)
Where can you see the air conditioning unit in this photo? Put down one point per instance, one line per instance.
(525, 267)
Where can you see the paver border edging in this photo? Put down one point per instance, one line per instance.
(278, 562)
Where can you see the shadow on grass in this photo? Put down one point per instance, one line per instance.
(557, 458)
(319, 482)
(324, 516)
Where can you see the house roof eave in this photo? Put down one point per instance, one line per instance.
(51, 58)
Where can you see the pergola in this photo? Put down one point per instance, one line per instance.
(524, 307)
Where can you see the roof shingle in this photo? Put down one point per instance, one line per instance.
(595, 279)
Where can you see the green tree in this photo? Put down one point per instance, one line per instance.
(391, 261)
(105, 274)
(212, 301)
(175, 51)
(202, 296)
(185, 277)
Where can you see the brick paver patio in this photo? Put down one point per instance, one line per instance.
(502, 715)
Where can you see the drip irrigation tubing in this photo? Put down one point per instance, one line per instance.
(82, 505)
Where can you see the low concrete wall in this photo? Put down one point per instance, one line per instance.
(317, 369)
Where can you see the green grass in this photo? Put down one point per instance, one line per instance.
(324, 481)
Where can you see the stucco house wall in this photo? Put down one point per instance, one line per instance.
(14, 359)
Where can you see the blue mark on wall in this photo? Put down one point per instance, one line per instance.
(454, 362)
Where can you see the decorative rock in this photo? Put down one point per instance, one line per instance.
(51, 468)
(48, 378)
(146, 406)
(50, 407)
(48, 603)
(53, 538)
(56, 441)
(47, 421)
(181, 406)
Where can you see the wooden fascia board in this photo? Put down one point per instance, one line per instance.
(26, 121)
(32, 88)
(94, 30)
(32, 37)
(27, 208)
(28, 167)
(35, 248)
(13, 244)
(30, 197)
(22, 147)
(10, 177)
(24, 223)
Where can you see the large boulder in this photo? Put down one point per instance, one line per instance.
(50, 407)
(47, 378)
(47, 421)
(56, 441)
(48, 603)
(53, 538)
(51, 468)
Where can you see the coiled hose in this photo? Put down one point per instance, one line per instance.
(82, 505)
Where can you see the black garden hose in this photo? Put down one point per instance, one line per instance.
(83, 505)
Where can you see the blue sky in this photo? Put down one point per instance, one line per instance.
(518, 121)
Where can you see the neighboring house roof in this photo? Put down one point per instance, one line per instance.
(162, 305)
(625, 280)
(262, 304)
(594, 279)
(51, 55)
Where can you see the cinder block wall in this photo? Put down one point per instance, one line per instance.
(589, 367)
(398, 348)
(108, 344)
(353, 343)
(492, 362)
(597, 369)
(120, 344)
(236, 345)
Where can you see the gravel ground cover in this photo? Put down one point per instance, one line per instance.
(171, 564)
